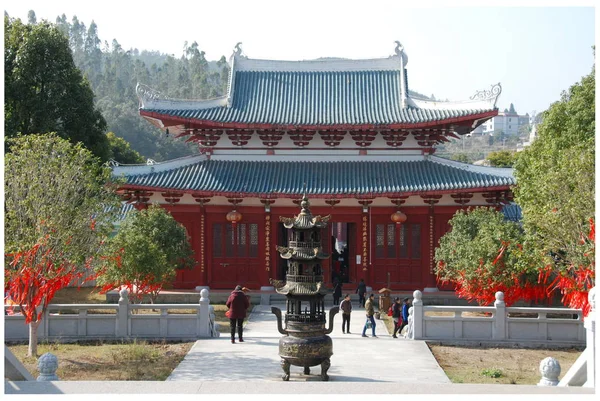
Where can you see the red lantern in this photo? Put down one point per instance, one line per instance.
(234, 216)
(398, 217)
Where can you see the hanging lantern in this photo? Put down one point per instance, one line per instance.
(398, 217)
(234, 216)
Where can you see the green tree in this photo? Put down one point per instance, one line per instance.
(482, 254)
(502, 158)
(44, 91)
(555, 180)
(145, 254)
(58, 202)
(121, 151)
(461, 157)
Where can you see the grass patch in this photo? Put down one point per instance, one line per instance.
(510, 365)
(493, 373)
(139, 360)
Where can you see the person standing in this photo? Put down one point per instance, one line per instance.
(238, 304)
(405, 308)
(337, 292)
(396, 313)
(346, 307)
(361, 290)
(370, 312)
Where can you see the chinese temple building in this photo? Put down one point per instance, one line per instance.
(353, 133)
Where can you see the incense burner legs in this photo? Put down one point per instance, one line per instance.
(324, 368)
(285, 365)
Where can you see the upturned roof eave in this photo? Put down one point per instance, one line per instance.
(344, 195)
(170, 120)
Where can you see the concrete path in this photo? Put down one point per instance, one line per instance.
(355, 359)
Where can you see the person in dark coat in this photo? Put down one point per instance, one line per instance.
(346, 308)
(238, 304)
(396, 312)
(361, 291)
(405, 308)
(337, 292)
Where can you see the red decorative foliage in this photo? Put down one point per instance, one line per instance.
(137, 288)
(573, 284)
(34, 277)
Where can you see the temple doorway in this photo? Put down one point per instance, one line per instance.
(342, 248)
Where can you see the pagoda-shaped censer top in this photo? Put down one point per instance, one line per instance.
(306, 342)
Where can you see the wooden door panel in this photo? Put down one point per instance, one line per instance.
(235, 254)
(397, 254)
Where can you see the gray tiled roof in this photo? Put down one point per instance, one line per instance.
(321, 177)
(323, 98)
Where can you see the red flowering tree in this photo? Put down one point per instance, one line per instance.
(145, 254)
(59, 207)
(483, 254)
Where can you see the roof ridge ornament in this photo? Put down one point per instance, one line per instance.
(237, 51)
(488, 94)
(146, 94)
(399, 48)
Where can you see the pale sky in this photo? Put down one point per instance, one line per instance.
(535, 52)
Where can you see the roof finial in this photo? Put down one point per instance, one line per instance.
(304, 204)
(399, 48)
(237, 51)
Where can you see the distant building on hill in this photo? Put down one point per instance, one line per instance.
(508, 121)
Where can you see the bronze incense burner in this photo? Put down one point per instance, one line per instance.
(306, 342)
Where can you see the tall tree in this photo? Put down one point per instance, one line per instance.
(121, 151)
(59, 209)
(555, 179)
(44, 91)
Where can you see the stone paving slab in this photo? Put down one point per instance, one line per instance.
(355, 359)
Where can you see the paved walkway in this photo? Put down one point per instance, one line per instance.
(355, 359)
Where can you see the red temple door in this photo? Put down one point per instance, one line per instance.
(235, 255)
(398, 255)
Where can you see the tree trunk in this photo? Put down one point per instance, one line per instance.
(33, 339)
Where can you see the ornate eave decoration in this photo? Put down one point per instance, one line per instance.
(488, 94)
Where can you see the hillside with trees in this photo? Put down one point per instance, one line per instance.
(113, 72)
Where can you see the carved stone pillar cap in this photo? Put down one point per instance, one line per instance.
(47, 366)
(123, 293)
(499, 297)
(550, 370)
(417, 295)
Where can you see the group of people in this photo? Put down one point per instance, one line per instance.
(238, 304)
(399, 310)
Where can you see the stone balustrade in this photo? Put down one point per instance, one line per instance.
(498, 324)
(74, 321)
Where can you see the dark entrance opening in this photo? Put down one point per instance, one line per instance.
(339, 241)
(342, 246)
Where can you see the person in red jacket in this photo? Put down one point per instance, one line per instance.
(238, 304)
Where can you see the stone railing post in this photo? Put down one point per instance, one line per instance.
(214, 327)
(47, 366)
(499, 332)
(550, 370)
(417, 315)
(590, 339)
(203, 325)
(123, 314)
(411, 324)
